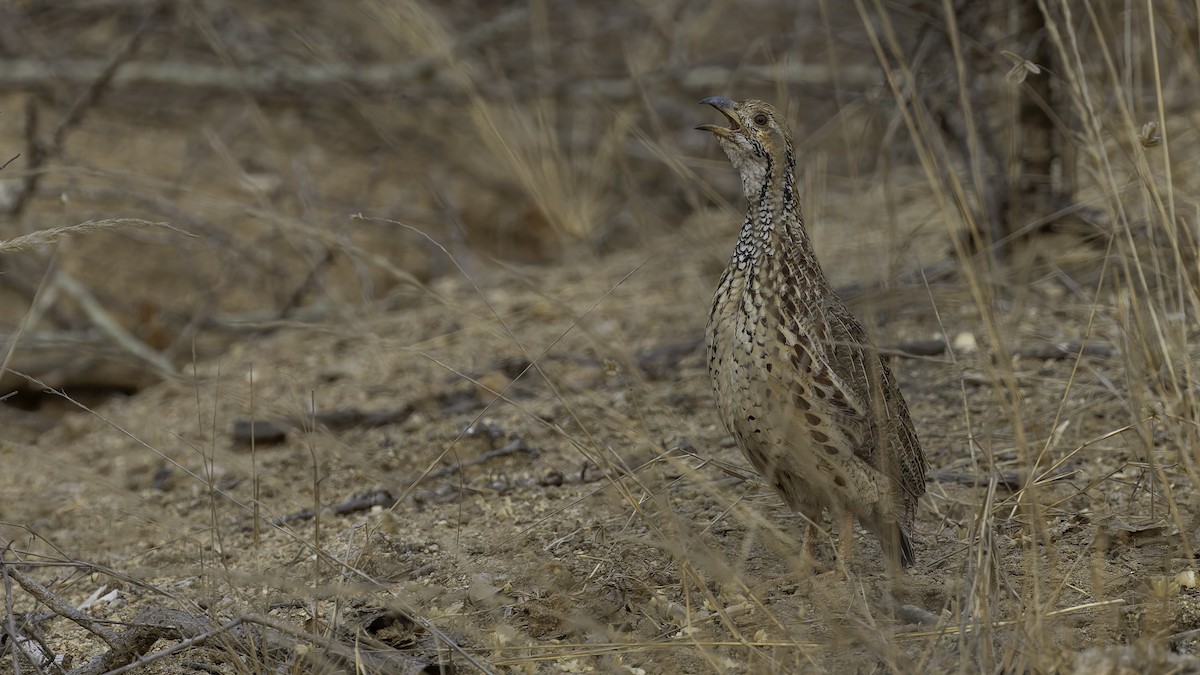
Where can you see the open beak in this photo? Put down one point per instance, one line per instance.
(725, 107)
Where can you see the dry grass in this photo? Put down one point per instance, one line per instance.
(537, 134)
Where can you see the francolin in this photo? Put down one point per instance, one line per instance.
(811, 403)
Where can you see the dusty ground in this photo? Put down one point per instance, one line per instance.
(550, 489)
(628, 535)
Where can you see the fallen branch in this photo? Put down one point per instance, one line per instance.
(43, 595)
(38, 152)
(1045, 352)
(156, 623)
(267, 432)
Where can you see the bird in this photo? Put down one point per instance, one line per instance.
(811, 403)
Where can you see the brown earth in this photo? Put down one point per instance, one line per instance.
(629, 534)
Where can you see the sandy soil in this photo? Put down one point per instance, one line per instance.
(625, 531)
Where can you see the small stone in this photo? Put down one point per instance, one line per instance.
(965, 343)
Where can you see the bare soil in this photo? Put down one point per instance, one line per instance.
(630, 533)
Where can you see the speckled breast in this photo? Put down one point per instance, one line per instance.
(773, 402)
(745, 348)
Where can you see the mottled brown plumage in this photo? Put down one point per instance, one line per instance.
(811, 403)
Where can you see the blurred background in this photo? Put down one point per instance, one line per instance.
(518, 133)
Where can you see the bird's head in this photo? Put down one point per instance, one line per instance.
(757, 141)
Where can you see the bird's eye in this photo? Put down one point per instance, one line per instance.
(760, 119)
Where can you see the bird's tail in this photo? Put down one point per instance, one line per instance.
(897, 545)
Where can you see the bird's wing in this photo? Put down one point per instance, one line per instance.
(875, 402)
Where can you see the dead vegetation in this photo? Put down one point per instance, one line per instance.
(367, 339)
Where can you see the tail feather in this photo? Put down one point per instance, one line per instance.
(907, 557)
(893, 538)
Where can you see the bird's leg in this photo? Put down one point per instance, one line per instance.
(845, 524)
(810, 540)
(812, 515)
